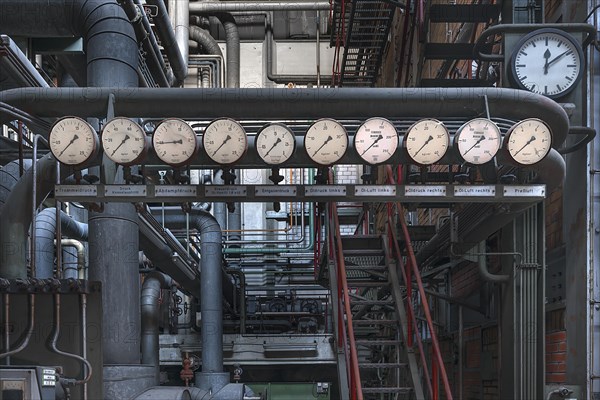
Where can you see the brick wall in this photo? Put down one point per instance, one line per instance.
(556, 347)
(465, 280)
(554, 228)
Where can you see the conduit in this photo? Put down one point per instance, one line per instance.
(212, 7)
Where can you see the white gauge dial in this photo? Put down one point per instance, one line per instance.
(547, 62)
(73, 141)
(376, 140)
(225, 141)
(174, 142)
(528, 141)
(478, 141)
(326, 141)
(275, 143)
(124, 141)
(426, 141)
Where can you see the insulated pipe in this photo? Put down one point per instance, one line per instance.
(232, 43)
(204, 39)
(150, 310)
(182, 28)
(79, 270)
(45, 234)
(212, 7)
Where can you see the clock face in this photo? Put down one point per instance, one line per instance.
(376, 140)
(124, 141)
(478, 141)
(73, 141)
(275, 144)
(174, 142)
(528, 141)
(326, 141)
(547, 62)
(427, 141)
(225, 141)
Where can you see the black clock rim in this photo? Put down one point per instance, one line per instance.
(459, 132)
(395, 150)
(405, 149)
(196, 144)
(345, 150)
(140, 156)
(96, 144)
(262, 129)
(510, 132)
(567, 36)
(245, 144)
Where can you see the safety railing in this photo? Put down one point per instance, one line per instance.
(410, 274)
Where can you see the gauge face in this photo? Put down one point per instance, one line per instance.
(275, 144)
(478, 141)
(547, 62)
(376, 140)
(174, 142)
(426, 141)
(528, 141)
(73, 141)
(326, 141)
(225, 141)
(124, 141)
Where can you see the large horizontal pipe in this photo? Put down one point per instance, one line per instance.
(211, 7)
(309, 104)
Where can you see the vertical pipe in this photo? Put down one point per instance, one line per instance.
(6, 299)
(59, 254)
(83, 305)
(20, 137)
(34, 198)
(460, 351)
(318, 46)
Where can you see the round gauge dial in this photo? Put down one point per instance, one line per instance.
(124, 141)
(528, 141)
(275, 143)
(376, 140)
(478, 141)
(426, 141)
(548, 62)
(174, 142)
(73, 141)
(225, 141)
(326, 141)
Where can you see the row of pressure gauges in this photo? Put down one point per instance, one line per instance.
(73, 141)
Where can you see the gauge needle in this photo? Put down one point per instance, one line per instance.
(546, 56)
(557, 57)
(180, 141)
(372, 144)
(526, 144)
(75, 137)
(120, 144)
(481, 139)
(326, 141)
(429, 139)
(222, 144)
(272, 147)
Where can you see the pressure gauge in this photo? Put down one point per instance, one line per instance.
(376, 140)
(275, 143)
(174, 142)
(124, 141)
(73, 141)
(478, 141)
(225, 141)
(426, 141)
(528, 141)
(326, 141)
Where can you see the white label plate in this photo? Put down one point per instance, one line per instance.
(475, 191)
(425, 190)
(272, 190)
(525, 191)
(175, 191)
(125, 190)
(76, 190)
(375, 190)
(225, 190)
(324, 190)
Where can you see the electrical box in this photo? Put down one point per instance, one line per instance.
(27, 383)
(292, 391)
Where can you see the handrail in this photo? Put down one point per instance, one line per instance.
(411, 267)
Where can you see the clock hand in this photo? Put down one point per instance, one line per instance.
(481, 139)
(272, 147)
(557, 57)
(326, 141)
(373, 144)
(120, 144)
(429, 139)
(180, 141)
(526, 144)
(222, 144)
(546, 56)
(75, 137)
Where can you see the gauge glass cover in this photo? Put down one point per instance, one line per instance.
(225, 141)
(528, 141)
(174, 142)
(73, 141)
(124, 141)
(427, 141)
(275, 143)
(376, 140)
(326, 141)
(478, 141)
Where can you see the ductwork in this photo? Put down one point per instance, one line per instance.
(150, 308)
(45, 235)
